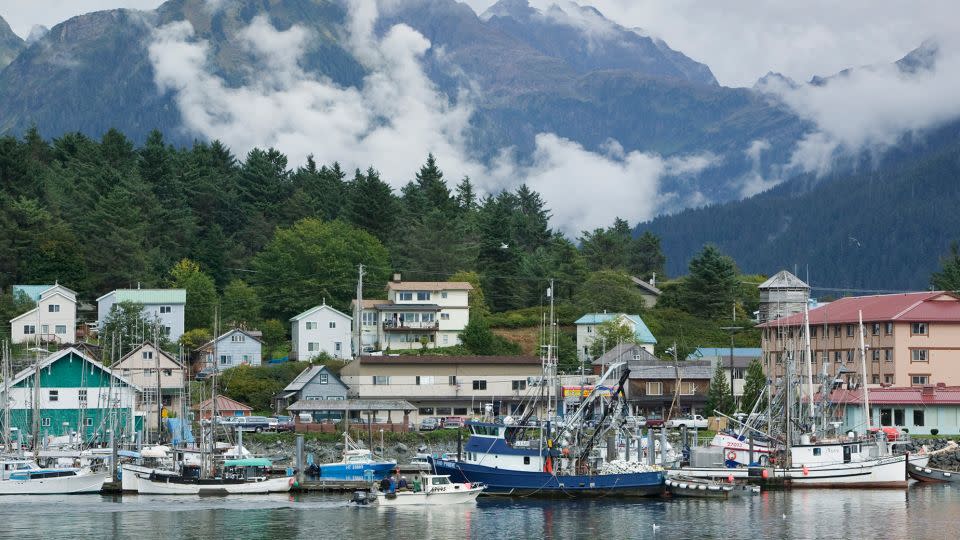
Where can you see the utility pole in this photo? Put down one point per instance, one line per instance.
(357, 320)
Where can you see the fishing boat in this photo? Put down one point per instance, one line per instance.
(25, 477)
(356, 463)
(684, 486)
(240, 476)
(433, 490)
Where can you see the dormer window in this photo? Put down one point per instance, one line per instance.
(237, 338)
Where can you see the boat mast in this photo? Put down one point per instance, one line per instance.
(551, 363)
(863, 371)
(6, 395)
(809, 362)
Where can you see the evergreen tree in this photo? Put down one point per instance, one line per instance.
(201, 293)
(718, 394)
(948, 278)
(711, 288)
(499, 259)
(466, 196)
(371, 205)
(607, 290)
(754, 385)
(240, 304)
(126, 327)
(645, 257)
(477, 336)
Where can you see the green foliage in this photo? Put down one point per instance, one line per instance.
(754, 384)
(475, 298)
(126, 327)
(718, 394)
(11, 306)
(274, 332)
(565, 312)
(609, 334)
(615, 248)
(477, 338)
(240, 304)
(201, 293)
(194, 338)
(568, 361)
(609, 290)
(948, 278)
(710, 290)
(315, 259)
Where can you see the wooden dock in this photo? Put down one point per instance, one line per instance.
(335, 486)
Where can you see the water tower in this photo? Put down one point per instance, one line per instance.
(782, 295)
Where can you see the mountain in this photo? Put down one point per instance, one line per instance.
(10, 44)
(565, 70)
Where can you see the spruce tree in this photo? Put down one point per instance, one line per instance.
(718, 394)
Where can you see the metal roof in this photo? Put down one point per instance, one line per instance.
(724, 352)
(437, 359)
(352, 405)
(645, 285)
(913, 395)
(783, 280)
(314, 309)
(934, 306)
(247, 333)
(429, 286)
(148, 296)
(308, 375)
(666, 370)
(643, 334)
(33, 291)
(626, 352)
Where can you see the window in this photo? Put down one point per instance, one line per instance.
(518, 385)
(61, 329)
(737, 373)
(838, 356)
(44, 422)
(313, 346)
(381, 380)
(425, 411)
(917, 417)
(324, 378)
(148, 371)
(54, 395)
(849, 355)
(82, 395)
(898, 417)
(452, 380)
(444, 316)
(337, 347)
(888, 330)
(29, 329)
(311, 325)
(165, 309)
(826, 357)
(147, 355)
(405, 296)
(813, 358)
(479, 385)
(333, 324)
(369, 318)
(423, 297)
(88, 422)
(813, 333)
(919, 380)
(167, 372)
(849, 330)
(888, 379)
(589, 329)
(918, 355)
(688, 388)
(424, 380)
(875, 379)
(428, 317)
(126, 372)
(654, 389)
(460, 411)
(165, 330)
(875, 330)
(246, 359)
(888, 355)
(225, 359)
(836, 330)
(53, 308)
(875, 354)
(918, 329)
(45, 329)
(444, 295)
(237, 338)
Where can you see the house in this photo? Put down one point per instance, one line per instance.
(415, 313)
(587, 329)
(911, 339)
(234, 348)
(225, 407)
(77, 395)
(53, 320)
(446, 385)
(734, 369)
(916, 409)
(648, 290)
(321, 329)
(157, 373)
(164, 305)
(654, 385)
(781, 296)
(313, 383)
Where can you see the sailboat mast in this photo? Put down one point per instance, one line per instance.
(6, 395)
(863, 370)
(551, 359)
(809, 360)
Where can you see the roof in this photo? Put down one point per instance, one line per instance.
(626, 352)
(314, 309)
(643, 334)
(645, 285)
(367, 303)
(156, 348)
(724, 352)
(308, 375)
(224, 404)
(233, 331)
(783, 280)
(33, 291)
(49, 360)
(667, 370)
(407, 307)
(352, 405)
(437, 359)
(429, 286)
(913, 395)
(148, 296)
(933, 306)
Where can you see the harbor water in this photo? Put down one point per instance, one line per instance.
(915, 513)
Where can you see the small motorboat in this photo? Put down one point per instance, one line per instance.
(933, 476)
(25, 477)
(433, 490)
(356, 464)
(685, 486)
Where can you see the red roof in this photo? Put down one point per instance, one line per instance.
(224, 404)
(914, 395)
(934, 306)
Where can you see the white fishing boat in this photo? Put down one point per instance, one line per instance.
(25, 477)
(242, 476)
(434, 490)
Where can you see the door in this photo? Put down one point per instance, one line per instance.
(885, 417)
(846, 453)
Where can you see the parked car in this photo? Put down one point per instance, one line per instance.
(429, 424)
(653, 422)
(452, 422)
(634, 422)
(690, 421)
(252, 423)
(204, 374)
(281, 423)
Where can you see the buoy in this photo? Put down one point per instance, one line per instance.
(765, 474)
(730, 478)
(806, 471)
(732, 456)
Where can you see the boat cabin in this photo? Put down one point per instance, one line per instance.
(519, 448)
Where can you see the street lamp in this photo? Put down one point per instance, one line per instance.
(733, 330)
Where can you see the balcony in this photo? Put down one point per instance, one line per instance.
(402, 326)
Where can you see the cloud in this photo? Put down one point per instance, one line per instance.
(392, 120)
(754, 182)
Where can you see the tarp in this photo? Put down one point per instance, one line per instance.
(248, 462)
(180, 431)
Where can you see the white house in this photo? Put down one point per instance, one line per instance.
(587, 331)
(321, 329)
(165, 305)
(434, 311)
(54, 319)
(235, 348)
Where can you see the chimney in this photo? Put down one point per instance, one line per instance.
(928, 390)
(396, 278)
(653, 279)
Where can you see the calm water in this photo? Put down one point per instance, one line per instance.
(919, 512)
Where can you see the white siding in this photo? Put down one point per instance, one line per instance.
(172, 320)
(46, 322)
(323, 337)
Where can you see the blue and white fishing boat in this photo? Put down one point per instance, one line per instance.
(356, 464)
(24, 477)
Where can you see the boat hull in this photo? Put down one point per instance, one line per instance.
(921, 473)
(525, 483)
(888, 472)
(357, 471)
(171, 486)
(689, 487)
(82, 483)
(434, 498)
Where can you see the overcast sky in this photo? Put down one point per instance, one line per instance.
(739, 40)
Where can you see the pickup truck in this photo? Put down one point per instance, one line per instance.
(695, 421)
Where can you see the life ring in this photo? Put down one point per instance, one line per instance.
(731, 456)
